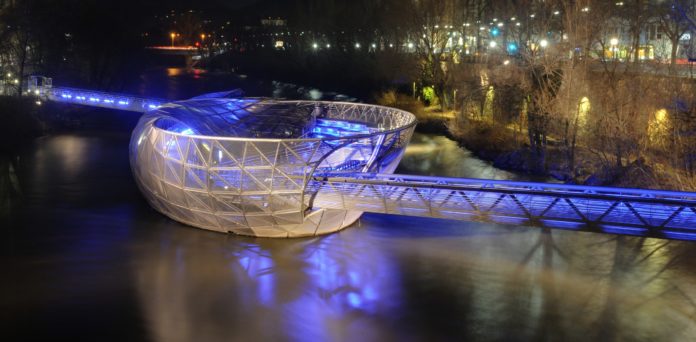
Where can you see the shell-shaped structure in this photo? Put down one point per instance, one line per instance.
(246, 166)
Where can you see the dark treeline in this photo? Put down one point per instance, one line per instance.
(91, 43)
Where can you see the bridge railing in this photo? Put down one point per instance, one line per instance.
(102, 99)
(43, 88)
(668, 214)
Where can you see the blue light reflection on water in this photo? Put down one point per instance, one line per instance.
(259, 266)
(345, 279)
(106, 254)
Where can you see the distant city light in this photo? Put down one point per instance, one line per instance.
(512, 47)
(614, 41)
(506, 62)
(328, 46)
(357, 45)
(410, 45)
(495, 32)
(544, 43)
(492, 44)
(315, 46)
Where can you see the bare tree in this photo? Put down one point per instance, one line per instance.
(431, 24)
(16, 37)
(673, 20)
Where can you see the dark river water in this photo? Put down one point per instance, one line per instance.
(83, 257)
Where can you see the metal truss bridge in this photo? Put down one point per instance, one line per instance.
(664, 214)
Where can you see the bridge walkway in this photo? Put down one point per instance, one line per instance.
(654, 213)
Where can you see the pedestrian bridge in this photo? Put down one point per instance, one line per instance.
(654, 213)
(664, 214)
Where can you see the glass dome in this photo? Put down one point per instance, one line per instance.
(245, 165)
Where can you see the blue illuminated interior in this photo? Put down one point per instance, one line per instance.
(257, 118)
(327, 128)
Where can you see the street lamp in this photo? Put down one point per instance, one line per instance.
(613, 42)
(202, 37)
(172, 35)
(544, 43)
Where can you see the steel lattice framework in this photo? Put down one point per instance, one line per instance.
(201, 162)
(616, 210)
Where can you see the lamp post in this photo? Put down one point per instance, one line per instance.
(613, 42)
(172, 35)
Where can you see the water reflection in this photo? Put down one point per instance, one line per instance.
(436, 155)
(397, 278)
(310, 289)
(10, 189)
(84, 257)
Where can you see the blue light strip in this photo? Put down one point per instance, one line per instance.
(102, 99)
(563, 224)
(679, 235)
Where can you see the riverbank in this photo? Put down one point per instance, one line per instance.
(507, 149)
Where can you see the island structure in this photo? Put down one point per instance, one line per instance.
(249, 165)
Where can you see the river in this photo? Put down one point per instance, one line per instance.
(85, 258)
